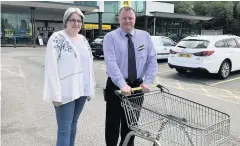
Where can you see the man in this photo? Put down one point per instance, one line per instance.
(130, 60)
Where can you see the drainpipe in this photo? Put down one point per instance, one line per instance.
(33, 26)
(154, 26)
(100, 23)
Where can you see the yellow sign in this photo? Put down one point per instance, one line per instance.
(29, 33)
(95, 26)
(126, 3)
(8, 32)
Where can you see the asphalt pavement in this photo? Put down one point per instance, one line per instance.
(29, 121)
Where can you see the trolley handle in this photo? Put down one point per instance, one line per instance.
(162, 89)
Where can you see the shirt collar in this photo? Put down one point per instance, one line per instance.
(132, 32)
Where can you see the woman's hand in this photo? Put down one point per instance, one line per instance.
(56, 104)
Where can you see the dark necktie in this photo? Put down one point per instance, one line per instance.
(132, 71)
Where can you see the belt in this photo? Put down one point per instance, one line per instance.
(137, 81)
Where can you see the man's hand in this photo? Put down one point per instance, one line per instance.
(145, 88)
(126, 90)
(56, 104)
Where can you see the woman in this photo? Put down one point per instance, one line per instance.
(69, 76)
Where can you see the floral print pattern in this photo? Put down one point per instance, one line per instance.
(61, 44)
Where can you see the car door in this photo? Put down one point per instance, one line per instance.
(235, 53)
(158, 45)
(167, 45)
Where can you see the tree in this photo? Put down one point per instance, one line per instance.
(226, 14)
(223, 13)
(184, 7)
(201, 8)
(236, 10)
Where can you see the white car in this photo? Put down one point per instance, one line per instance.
(215, 54)
(162, 45)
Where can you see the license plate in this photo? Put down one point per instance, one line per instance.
(185, 55)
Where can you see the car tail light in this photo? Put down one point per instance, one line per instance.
(172, 52)
(204, 53)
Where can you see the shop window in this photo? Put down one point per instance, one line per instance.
(16, 26)
(111, 6)
(86, 3)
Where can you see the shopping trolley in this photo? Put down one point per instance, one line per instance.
(169, 120)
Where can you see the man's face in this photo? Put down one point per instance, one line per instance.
(127, 20)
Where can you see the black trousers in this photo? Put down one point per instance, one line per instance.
(115, 116)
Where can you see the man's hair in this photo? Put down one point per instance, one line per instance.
(126, 8)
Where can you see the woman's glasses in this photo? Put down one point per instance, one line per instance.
(74, 21)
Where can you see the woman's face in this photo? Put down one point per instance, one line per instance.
(74, 23)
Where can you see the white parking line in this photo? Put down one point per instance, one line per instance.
(225, 81)
(219, 92)
(205, 90)
(235, 92)
(233, 95)
(20, 71)
(205, 95)
(180, 87)
(13, 73)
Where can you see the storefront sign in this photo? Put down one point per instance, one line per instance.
(9, 33)
(45, 28)
(95, 26)
(126, 3)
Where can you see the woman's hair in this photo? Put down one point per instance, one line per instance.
(69, 12)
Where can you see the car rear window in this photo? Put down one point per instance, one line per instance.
(238, 39)
(193, 44)
(232, 43)
(220, 44)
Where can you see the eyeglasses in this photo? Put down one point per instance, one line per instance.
(74, 21)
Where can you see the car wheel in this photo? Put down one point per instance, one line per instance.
(224, 70)
(181, 71)
(96, 56)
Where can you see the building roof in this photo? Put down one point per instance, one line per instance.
(180, 16)
(43, 6)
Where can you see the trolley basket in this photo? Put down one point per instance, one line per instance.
(170, 120)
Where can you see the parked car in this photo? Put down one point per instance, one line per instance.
(215, 54)
(97, 46)
(162, 45)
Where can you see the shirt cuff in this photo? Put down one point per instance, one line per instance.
(149, 83)
(121, 83)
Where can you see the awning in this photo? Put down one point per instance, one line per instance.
(44, 5)
(180, 16)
